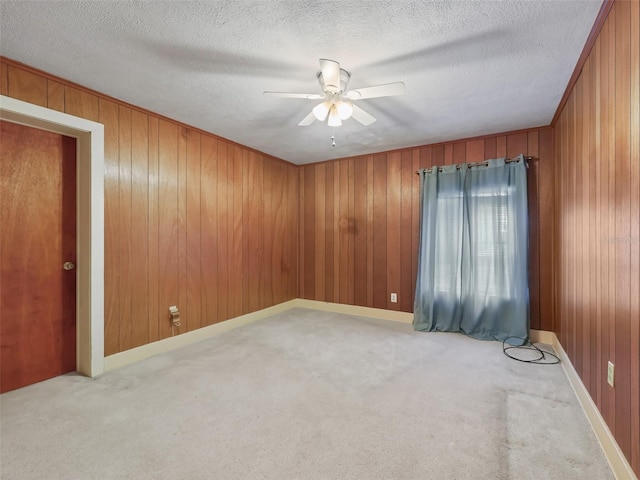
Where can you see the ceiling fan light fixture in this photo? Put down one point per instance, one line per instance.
(321, 110)
(345, 109)
(334, 117)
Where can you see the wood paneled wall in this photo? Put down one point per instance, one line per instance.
(190, 219)
(359, 221)
(598, 238)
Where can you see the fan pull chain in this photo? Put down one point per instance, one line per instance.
(333, 140)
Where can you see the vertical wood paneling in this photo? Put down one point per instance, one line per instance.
(190, 219)
(124, 226)
(437, 155)
(309, 229)
(533, 191)
(26, 86)
(634, 284)
(459, 153)
(501, 146)
(622, 227)
(221, 225)
(139, 228)
(208, 221)
(343, 231)
(365, 244)
(319, 229)
(360, 231)
(295, 228)
(517, 143)
(491, 147)
(55, 95)
(380, 231)
(277, 232)
(475, 151)
(236, 215)
(255, 219)
(330, 232)
(351, 232)
(81, 104)
(405, 297)
(182, 230)
(597, 149)
(546, 211)
(370, 256)
(597, 113)
(154, 317)
(193, 229)
(168, 288)
(336, 231)
(591, 340)
(4, 79)
(448, 154)
(394, 217)
(109, 117)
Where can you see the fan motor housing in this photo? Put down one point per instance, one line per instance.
(344, 80)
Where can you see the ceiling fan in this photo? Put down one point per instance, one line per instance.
(337, 101)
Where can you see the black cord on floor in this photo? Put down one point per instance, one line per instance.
(527, 345)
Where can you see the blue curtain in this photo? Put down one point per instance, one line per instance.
(472, 260)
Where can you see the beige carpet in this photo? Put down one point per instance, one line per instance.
(307, 395)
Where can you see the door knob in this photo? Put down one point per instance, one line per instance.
(69, 265)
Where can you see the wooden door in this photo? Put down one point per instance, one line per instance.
(37, 236)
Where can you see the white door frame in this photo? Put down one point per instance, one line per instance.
(90, 221)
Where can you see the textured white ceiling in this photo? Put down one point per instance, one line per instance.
(470, 67)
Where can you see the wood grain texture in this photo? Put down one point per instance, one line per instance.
(193, 230)
(183, 303)
(55, 95)
(209, 239)
(110, 118)
(125, 221)
(236, 293)
(372, 204)
(222, 226)
(394, 217)
(634, 284)
(82, 104)
(26, 86)
(38, 215)
(597, 272)
(154, 317)
(622, 225)
(4, 79)
(380, 231)
(186, 220)
(139, 228)
(168, 238)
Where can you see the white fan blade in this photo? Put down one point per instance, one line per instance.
(309, 96)
(308, 120)
(330, 74)
(386, 90)
(363, 117)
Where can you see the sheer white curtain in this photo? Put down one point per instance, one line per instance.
(472, 263)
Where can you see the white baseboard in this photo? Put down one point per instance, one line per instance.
(168, 344)
(617, 461)
(394, 315)
(542, 336)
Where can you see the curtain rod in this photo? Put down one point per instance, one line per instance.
(479, 164)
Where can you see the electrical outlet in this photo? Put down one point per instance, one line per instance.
(394, 298)
(174, 315)
(610, 373)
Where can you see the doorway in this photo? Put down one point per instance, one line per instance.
(37, 255)
(89, 270)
